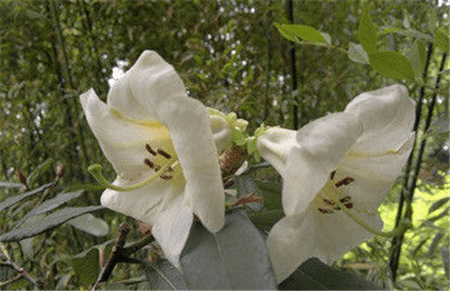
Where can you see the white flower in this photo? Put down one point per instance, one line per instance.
(149, 124)
(350, 158)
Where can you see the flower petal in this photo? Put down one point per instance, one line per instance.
(275, 144)
(151, 92)
(387, 116)
(296, 238)
(122, 141)
(322, 145)
(373, 174)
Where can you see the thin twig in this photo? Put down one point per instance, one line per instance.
(120, 253)
(22, 273)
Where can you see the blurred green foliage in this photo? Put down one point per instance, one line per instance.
(231, 57)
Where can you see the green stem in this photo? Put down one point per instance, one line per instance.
(96, 171)
(401, 228)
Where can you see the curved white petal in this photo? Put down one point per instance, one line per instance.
(296, 238)
(274, 146)
(149, 105)
(387, 116)
(322, 145)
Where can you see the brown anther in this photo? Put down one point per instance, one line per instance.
(345, 199)
(164, 154)
(157, 168)
(150, 150)
(164, 177)
(325, 211)
(329, 202)
(345, 181)
(332, 175)
(349, 205)
(169, 169)
(149, 163)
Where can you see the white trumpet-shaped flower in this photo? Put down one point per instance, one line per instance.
(336, 171)
(164, 147)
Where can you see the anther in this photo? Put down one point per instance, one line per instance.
(164, 177)
(150, 150)
(149, 163)
(329, 202)
(345, 181)
(345, 199)
(157, 168)
(325, 211)
(332, 175)
(164, 154)
(349, 205)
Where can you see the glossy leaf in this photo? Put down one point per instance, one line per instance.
(315, 275)
(49, 205)
(367, 32)
(48, 222)
(442, 39)
(90, 224)
(294, 32)
(162, 275)
(17, 198)
(357, 53)
(234, 258)
(392, 65)
(6, 184)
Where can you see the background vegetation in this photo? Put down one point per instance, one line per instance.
(232, 57)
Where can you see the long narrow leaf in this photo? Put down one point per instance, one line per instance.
(17, 198)
(48, 222)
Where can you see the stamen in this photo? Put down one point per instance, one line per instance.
(149, 163)
(329, 202)
(345, 181)
(325, 211)
(164, 154)
(150, 150)
(402, 227)
(164, 177)
(157, 168)
(332, 175)
(96, 171)
(348, 205)
(345, 199)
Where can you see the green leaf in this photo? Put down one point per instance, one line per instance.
(266, 219)
(357, 53)
(17, 198)
(86, 266)
(392, 65)
(5, 184)
(442, 38)
(406, 32)
(90, 224)
(48, 222)
(438, 204)
(162, 275)
(236, 257)
(49, 205)
(315, 275)
(271, 193)
(367, 32)
(415, 58)
(294, 32)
